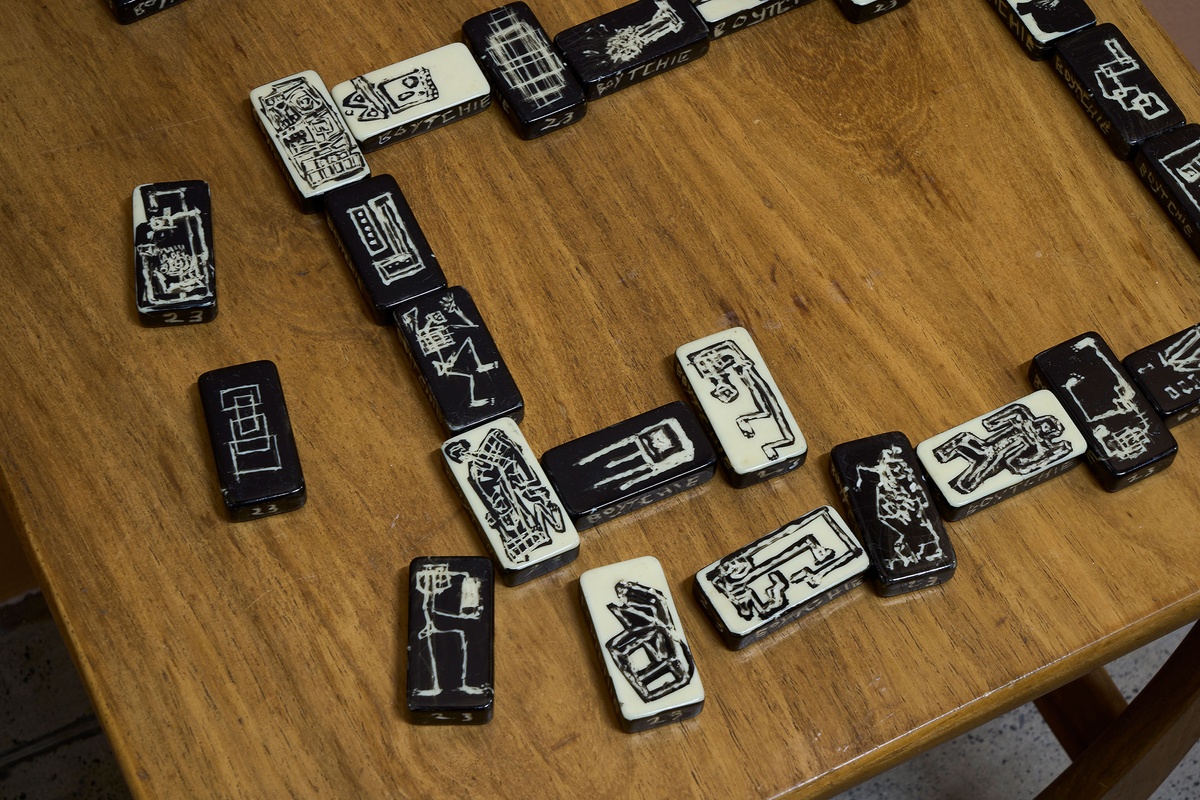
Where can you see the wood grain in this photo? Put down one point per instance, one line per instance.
(902, 213)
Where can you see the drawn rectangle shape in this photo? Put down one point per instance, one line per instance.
(1169, 166)
(517, 512)
(537, 90)
(649, 667)
(780, 577)
(252, 442)
(174, 267)
(624, 47)
(858, 11)
(451, 637)
(730, 16)
(1038, 25)
(308, 137)
(727, 377)
(1000, 454)
(631, 464)
(890, 507)
(414, 96)
(1168, 372)
(457, 360)
(1115, 88)
(383, 244)
(1127, 440)
(129, 11)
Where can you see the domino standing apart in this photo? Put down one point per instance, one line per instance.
(1169, 165)
(863, 10)
(252, 443)
(649, 667)
(1127, 440)
(1168, 372)
(635, 42)
(536, 89)
(387, 252)
(127, 11)
(311, 142)
(451, 637)
(457, 360)
(414, 96)
(892, 510)
(174, 268)
(521, 519)
(1039, 25)
(780, 577)
(631, 464)
(1000, 454)
(755, 431)
(730, 16)
(1116, 89)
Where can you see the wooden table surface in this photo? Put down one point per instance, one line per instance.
(902, 213)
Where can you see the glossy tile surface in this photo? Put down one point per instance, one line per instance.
(174, 267)
(1038, 24)
(730, 16)
(127, 11)
(863, 10)
(1168, 372)
(1169, 165)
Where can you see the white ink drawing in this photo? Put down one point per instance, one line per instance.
(313, 138)
(1184, 167)
(650, 652)
(1046, 16)
(1019, 443)
(523, 56)
(372, 102)
(626, 44)
(448, 598)
(731, 372)
(902, 506)
(252, 446)
(641, 456)
(172, 250)
(382, 231)
(520, 507)
(757, 578)
(1183, 355)
(1130, 96)
(1110, 405)
(443, 338)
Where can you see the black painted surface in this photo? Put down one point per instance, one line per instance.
(1168, 372)
(890, 507)
(857, 13)
(457, 360)
(1038, 24)
(631, 464)
(1169, 165)
(382, 241)
(740, 20)
(127, 11)
(450, 640)
(1116, 88)
(635, 42)
(537, 90)
(251, 436)
(1126, 438)
(173, 263)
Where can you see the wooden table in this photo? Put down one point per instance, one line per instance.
(901, 212)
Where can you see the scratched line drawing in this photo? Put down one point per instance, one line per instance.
(523, 55)
(1184, 168)
(1046, 16)
(310, 132)
(252, 446)
(626, 44)
(1112, 76)
(1120, 424)
(1183, 355)
(727, 367)
(448, 599)
(519, 504)
(383, 233)
(639, 457)
(757, 579)
(372, 102)
(903, 508)
(172, 250)
(1019, 442)
(650, 652)
(444, 338)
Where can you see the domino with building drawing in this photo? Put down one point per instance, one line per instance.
(1168, 372)
(251, 436)
(173, 265)
(1039, 24)
(1169, 166)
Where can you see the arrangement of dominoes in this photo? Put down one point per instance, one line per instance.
(1087, 403)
